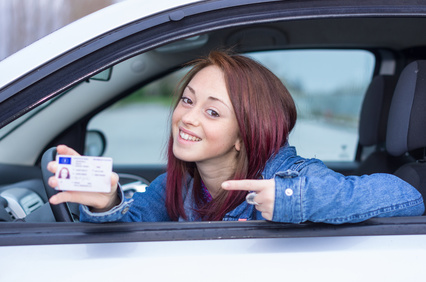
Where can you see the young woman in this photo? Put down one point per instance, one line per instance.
(228, 159)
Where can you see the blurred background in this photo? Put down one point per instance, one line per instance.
(25, 21)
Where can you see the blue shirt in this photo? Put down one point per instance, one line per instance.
(305, 190)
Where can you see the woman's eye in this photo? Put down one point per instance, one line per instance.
(186, 100)
(213, 113)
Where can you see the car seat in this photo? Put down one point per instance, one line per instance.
(373, 125)
(407, 123)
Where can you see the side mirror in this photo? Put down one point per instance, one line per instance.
(95, 144)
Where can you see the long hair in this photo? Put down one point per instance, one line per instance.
(265, 113)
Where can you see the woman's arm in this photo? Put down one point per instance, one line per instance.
(319, 194)
(148, 206)
(316, 193)
(113, 206)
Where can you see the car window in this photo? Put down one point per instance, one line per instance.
(136, 128)
(328, 87)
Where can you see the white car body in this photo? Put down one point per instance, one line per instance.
(377, 258)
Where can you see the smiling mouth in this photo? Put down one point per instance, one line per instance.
(188, 137)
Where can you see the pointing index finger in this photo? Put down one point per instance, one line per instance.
(244, 185)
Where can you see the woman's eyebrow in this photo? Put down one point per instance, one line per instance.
(210, 97)
(219, 100)
(191, 89)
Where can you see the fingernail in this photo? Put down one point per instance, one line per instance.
(225, 185)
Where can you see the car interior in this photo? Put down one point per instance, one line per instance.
(373, 118)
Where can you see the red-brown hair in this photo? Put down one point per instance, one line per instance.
(265, 113)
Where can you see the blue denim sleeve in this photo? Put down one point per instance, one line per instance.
(147, 206)
(115, 214)
(318, 194)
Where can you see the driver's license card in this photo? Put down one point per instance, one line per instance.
(84, 173)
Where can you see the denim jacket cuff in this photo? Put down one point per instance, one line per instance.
(113, 214)
(288, 198)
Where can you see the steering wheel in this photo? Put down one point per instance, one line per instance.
(62, 211)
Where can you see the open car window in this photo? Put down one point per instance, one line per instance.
(328, 87)
(136, 128)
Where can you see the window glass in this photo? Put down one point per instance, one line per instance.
(328, 87)
(137, 127)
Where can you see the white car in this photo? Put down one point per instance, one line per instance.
(103, 86)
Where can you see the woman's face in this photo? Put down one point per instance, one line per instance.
(204, 125)
(64, 173)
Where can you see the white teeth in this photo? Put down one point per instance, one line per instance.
(188, 137)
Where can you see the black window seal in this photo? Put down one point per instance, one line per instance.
(22, 233)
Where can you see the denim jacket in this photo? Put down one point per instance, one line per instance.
(305, 190)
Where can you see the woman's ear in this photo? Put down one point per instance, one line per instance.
(238, 145)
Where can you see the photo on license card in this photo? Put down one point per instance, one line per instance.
(83, 173)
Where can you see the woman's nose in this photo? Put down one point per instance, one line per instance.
(191, 117)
